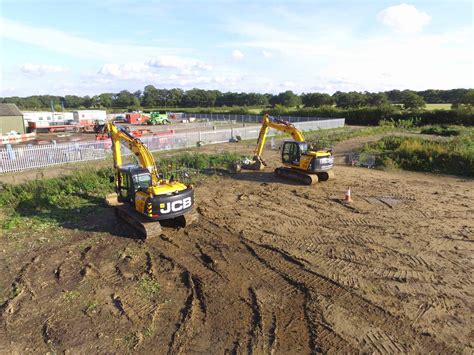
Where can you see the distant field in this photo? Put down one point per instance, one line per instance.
(438, 106)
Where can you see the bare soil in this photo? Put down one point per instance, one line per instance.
(271, 267)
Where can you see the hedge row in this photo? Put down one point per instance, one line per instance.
(367, 116)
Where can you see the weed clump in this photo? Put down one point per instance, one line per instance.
(451, 156)
(441, 131)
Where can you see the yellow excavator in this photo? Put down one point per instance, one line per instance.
(300, 162)
(142, 197)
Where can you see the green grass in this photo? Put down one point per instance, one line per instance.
(91, 307)
(149, 287)
(42, 204)
(39, 205)
(438, 106)
(444, 131)
(453, 155)
(329, 137)
(71, 296)
(10, 294)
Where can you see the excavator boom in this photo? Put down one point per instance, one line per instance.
(301, 164)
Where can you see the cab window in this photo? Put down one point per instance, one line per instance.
(142, 181)
(286, 153)
(124, 185)
(291, 153)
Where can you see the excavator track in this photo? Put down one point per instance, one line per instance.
(149, 229)
(295, 175)
(328, 175)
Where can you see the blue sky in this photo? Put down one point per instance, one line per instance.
(89, 47)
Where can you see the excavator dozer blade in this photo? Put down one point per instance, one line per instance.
(149, 229)
(295, 175)
(111, 200)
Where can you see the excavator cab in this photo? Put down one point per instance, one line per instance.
(292, 151)
(132, 179)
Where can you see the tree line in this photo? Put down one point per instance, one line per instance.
(153, 97)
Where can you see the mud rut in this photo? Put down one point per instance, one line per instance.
(256, 275)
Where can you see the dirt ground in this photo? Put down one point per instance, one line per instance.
(271, 267)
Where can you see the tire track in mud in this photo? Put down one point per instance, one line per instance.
(194, 310)
(320, 336)
(347, 267)
(268, 296)
(199, 279)
(364, 311)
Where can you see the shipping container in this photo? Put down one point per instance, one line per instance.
(89, 116)
(46, 116)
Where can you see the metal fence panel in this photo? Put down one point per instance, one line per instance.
(19, 158)
(250, 118)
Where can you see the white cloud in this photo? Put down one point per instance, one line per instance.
(404, 18)
(41, 69)
(128, 71)
(335, 59)
(237, 55)
(178, 63)
(267, 54)
(79, 47)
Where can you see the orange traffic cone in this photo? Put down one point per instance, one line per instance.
(347, 196)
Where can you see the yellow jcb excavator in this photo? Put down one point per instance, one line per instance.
(142, 197)
(301, 163)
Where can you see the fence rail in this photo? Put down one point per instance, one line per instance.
(250, 118)
(19, 158)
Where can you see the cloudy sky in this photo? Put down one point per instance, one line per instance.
(88, 47)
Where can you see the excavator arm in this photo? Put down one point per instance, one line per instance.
(280, 125)
(144, 156)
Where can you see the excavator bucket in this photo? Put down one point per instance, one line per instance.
(256, 164)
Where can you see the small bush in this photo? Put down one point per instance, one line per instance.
(441, 131)
(454, 156)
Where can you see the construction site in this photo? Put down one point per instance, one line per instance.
(358, 260)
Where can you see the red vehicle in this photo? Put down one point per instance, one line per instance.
(136, 118)
(52, 127)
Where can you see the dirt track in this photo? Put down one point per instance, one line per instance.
(271, 267)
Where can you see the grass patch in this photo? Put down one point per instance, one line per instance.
(40, 205)
(438, 106)
(91, 307)
(10, 294)
(453, 156)
(329, 137)
(45, 203)
(71, 296)
(442, 131)
(149, 287)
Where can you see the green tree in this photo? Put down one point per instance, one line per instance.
(125, 99)
(105, 100)
(150, 96)
(317, 100)
(174, 97)
(466, 101)
(287, 98)
(72, 101)
(412, 101)
(351, 99)
(375, 99)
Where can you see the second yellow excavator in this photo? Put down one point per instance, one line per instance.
(300, 162)
(142, 197)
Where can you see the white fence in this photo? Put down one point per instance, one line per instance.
(248, 118)
(19, 158)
